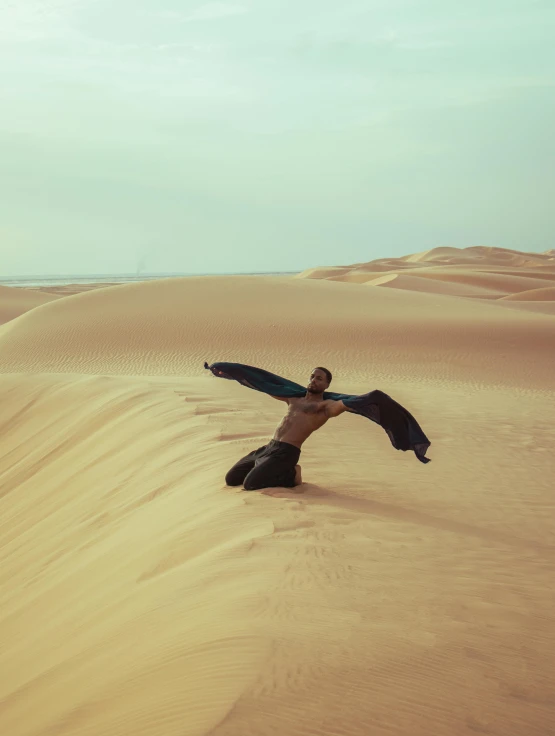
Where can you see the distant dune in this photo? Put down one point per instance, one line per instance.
(476, 273)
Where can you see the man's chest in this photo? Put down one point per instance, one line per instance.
(310, 408)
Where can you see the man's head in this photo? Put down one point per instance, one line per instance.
(320, 379)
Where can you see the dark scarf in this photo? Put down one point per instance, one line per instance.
(402, 428)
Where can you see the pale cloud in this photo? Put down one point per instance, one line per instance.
(418, 41)
(198, 47)
(214, 11)
(30, 20)
(207, 11)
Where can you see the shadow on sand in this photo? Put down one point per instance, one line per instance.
(312, 494)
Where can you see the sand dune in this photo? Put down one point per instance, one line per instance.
(170, 327)
(546, 294)
(482, 254)
(70, 289)
(448, 286)
(14, 302)
(476, 272)
(497, 282)
(140, 596)
(541, 301)
(540, 307)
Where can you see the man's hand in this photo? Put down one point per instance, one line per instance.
(335, 408)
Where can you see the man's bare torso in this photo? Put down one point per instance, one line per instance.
(303, 417)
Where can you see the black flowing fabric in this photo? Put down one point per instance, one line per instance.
(402, 428)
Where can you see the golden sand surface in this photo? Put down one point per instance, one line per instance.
(140, 596)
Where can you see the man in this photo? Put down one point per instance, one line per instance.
(276, 464)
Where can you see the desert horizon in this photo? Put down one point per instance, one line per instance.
(140, 595)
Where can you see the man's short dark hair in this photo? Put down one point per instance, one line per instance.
(328, 373)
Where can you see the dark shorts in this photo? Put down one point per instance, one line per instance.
(270, 466)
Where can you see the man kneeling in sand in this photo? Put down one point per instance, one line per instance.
(276, 464)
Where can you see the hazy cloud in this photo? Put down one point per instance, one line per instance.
(214, 11)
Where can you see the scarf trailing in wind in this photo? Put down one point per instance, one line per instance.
(402, 428)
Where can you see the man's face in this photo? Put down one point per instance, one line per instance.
(318, 382)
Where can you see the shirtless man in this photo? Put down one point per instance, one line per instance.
(276, 464)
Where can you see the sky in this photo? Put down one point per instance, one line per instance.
(271, 135)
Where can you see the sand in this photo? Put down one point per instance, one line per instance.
(477, 272)
(141, 596)
(14, 302)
